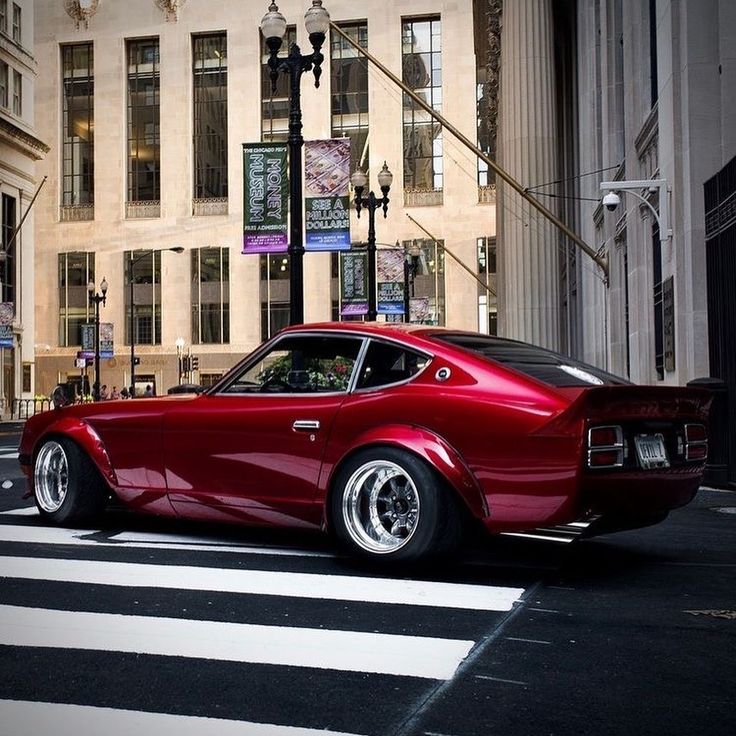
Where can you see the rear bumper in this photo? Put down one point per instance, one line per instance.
(641, 493)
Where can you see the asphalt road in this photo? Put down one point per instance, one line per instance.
(164, 627)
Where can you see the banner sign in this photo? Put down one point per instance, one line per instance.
(107, 349)
(327, 194)
(87, 340)
(419, 310)
(265, 198)
(6, 336)
(7, 310)
(390, 277)
(354, 283)
(107, 346)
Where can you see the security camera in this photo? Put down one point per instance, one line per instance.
(611, 201)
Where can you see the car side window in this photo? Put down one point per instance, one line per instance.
(386, 363)
(300, 364)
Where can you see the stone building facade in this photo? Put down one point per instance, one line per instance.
(146, 105)
(20, 149)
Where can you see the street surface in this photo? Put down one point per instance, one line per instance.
(145, 626)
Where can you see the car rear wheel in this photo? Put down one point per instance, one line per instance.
(67, 485)
(388, 504)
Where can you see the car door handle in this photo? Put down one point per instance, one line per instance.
(305, 425)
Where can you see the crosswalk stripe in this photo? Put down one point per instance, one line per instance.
(23, 718)
(25, 511)
(265, 582)
(56, 535)
(349, 651)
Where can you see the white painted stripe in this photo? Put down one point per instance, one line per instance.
(349, 651)
(8, 455)
(264, 582)
(55, 535)
(22, 718)
(25, 511)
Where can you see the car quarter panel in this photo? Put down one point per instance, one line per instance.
(123, 439)
(478, 429)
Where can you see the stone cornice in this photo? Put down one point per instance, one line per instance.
(21, 140)
(18, 53)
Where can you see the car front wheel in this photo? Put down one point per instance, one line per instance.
(387, 503)
(67, 485)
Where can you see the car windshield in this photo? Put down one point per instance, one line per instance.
(545, 365)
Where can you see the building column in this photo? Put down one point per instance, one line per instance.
(529, 304)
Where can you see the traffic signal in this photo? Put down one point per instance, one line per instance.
(136, 361)
(195, 362)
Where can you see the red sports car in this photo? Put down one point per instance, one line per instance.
(394, 437)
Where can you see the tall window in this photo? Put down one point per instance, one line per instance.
(654, 84)
(274, 293)
(488, 310)
(275, 106)
(210, 295)
(422, 71)
(144, 127)
(209, 70)
(349, 77)
(3, 84)
(17, 30)
(7, 264)
(78, 124)
(146, 296)
(3, 16)
(658, 304)
(76, 270)
(17, 93)
(426, 281)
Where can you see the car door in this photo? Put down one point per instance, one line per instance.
(256, 444)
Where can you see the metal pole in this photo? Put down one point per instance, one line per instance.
(371, 205)
(132, 330)
(96, 392)
(25, 214)
(600, 260)
(296, 245)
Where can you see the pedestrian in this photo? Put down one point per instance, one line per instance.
(104, 396)
(115, 393)
(124, 393)
(148, 391)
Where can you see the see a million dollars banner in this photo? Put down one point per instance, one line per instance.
(327, 194)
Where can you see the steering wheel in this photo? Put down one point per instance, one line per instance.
(273, 384)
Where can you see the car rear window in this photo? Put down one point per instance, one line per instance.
(545, 365)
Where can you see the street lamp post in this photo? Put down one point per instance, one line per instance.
(131, 264)
(97, 298)
(372, 203)
(273, 27)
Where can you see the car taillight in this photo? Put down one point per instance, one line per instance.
(605, 447)
(696, 442)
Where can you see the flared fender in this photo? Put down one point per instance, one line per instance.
(428, 445)
(85, 436)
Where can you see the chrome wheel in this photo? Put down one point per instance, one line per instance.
(51, 477)
(380, 507)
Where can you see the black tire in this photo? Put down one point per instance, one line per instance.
(67, 486)
(409, 516)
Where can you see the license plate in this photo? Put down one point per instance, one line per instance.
(651, 451)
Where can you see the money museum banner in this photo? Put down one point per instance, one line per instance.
(265, 198)
(327, 194)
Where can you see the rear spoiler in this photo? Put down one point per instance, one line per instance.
(625, 403)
